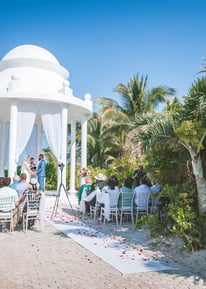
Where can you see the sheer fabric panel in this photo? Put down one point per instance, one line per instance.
(25, 120)
(51, 121)
(31, 147)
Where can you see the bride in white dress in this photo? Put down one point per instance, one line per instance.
(26, 167)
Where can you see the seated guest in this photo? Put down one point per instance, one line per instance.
(98, 185)
(33, 186)
(155, 199)
(1, 182)
(16, 180)
(100, 181)
(22, 185)
(113, 190)
(87, 185)
(155, 188)
(34, 197)
(107, 196)
(126, 188)
(114, 179)
(6, 191)
(21, 188)
(142, 192)
(83, 192)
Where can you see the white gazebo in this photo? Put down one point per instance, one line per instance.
(35, 93)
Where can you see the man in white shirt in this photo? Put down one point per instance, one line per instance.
(142, 193)
(5, 192)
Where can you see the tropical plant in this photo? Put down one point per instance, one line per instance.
(135, 99)
(186, 129)
(51, 170)
(101, 150)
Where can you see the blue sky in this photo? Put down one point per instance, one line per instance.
(103, 43)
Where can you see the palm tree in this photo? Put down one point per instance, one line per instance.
(187, 129)
(101, 149)
(173, 107)
(136, 99)
(204, 67)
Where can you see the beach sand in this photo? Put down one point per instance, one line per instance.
(49, 259)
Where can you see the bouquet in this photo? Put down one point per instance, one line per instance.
(84, 172)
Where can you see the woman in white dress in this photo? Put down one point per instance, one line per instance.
(108, 196)
(26, 167)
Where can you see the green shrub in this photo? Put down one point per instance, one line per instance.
(51, 176)
(154, 225)
(186, 225)
(178, 215)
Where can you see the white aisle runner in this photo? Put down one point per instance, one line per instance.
(112, 250)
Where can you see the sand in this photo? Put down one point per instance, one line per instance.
(49, 259)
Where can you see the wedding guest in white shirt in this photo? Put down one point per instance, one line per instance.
(144, 190)
(107, 196)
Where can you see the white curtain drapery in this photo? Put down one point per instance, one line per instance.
(51, 121)
(25, 121)
(31, 147)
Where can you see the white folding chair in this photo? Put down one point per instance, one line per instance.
(126, 205)
(6, 211)
(155, 202)
(82, 208)
(143, 201)
(31, 209)
(113, 213)
(113, 209)
(94, 210)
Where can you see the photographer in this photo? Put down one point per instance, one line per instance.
(138, 173)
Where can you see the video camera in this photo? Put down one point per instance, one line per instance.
(61, 166)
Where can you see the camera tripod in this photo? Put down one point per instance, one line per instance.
(61, 186)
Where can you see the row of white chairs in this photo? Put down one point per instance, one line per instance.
(31, 212)
(125, 206)
(7, 216)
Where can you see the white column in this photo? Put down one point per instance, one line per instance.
(12, 139)
(2, 151)
(39, 139)
(73, 157)
(84, 144)
(63, 197)
(64, 142)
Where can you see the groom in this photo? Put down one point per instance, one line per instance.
(41, 172)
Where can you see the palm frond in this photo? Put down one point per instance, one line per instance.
(154, 126)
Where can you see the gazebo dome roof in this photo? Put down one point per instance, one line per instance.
(33, 75)
(30, 51)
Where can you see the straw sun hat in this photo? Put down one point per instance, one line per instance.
(100, 177)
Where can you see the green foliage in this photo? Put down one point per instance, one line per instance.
(195, 102)
(51, 176)
(121, 174)
(178, 215)
(166, 163)
(94, 171)
(123, 167)
(186, 224)
(190, 132)
(18, 170)
(154, 224)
